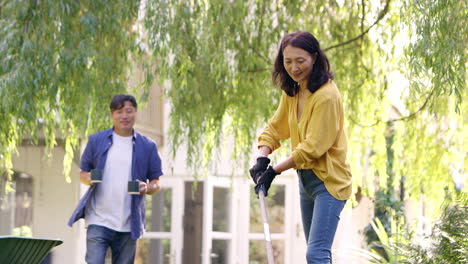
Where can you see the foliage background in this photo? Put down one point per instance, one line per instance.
(400, 66)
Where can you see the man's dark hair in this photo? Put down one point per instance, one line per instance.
(321, 70)
(119, 100)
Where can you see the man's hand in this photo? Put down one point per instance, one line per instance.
(151, 187)
(85, 177)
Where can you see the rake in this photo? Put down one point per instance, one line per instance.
(266, 227)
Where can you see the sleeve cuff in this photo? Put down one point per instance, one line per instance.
(297, 158)
(267, 143)
(84, 168)
(155, 176)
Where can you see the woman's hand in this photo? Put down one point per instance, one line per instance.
(259, 168)
(265, 180)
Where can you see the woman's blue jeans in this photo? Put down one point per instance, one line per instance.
(100, 238)
(320, 216)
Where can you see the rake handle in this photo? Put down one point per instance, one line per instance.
(266, 228)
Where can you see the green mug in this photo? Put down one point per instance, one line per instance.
(96, 176)
(133, 187)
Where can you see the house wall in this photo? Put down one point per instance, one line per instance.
(53, 200)
(150, 117)
(349, 237)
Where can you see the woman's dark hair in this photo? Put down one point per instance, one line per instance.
(119, 100)
(321, 70)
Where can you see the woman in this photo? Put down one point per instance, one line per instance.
(310, 113)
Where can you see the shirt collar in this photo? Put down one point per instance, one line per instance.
(110, 131)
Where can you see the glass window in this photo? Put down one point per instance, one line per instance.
(193, 223)
(158, 211)
(221, 209)
(257, 251)
(275, 202)
(16, 206)
(220, 251)
(153, 251)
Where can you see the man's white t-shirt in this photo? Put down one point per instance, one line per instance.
(111, 204)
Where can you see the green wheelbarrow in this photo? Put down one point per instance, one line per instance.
(25, 250)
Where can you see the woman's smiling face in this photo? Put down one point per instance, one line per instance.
(298, 63)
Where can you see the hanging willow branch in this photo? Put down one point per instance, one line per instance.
(423, 107)
(61, 61)
(363, 33)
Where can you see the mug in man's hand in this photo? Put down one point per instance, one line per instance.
(133, 187)
(96, 176)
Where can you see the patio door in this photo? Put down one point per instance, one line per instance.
(219, 221)
(280, 216)
(162, 242)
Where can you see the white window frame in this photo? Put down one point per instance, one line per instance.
(177, 210)
(289, 227)
(208, 234)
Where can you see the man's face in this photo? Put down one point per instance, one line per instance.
(124, 118)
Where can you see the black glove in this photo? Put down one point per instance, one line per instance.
(259, 168)
(265, 179)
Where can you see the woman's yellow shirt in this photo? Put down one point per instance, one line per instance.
(318, 139)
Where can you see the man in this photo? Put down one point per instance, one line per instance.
(113, 217)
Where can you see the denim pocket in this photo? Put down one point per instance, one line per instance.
(310, 183)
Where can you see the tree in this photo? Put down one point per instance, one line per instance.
(61, 61)
(218, 54)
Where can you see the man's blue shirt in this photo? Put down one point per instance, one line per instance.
(146, 165)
